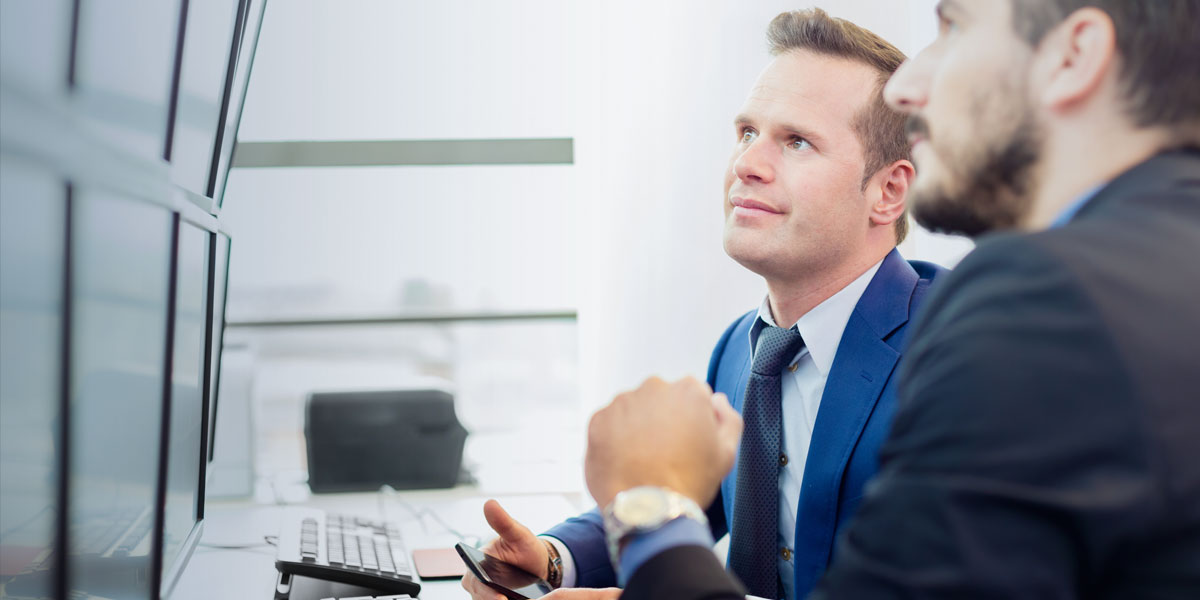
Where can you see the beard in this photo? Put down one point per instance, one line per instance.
(986, 188)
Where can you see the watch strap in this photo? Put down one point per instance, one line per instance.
(554, 569)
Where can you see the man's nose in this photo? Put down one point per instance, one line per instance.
(755, 163)
(907, 90)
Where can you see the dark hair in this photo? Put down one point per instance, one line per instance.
(1159, 45)
(879, 128)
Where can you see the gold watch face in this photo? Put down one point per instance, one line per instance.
(641, 507)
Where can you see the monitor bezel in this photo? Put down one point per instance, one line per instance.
(170, 573)
(231, 119)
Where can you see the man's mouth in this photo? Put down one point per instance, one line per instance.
(917, 130)
(751, 206)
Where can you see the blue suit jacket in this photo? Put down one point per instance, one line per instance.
(852, 422)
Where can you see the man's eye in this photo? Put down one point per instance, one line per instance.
(799, 144)
(748, 136)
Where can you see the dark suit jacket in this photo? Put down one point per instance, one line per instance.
(1047, 439)
(856, 410)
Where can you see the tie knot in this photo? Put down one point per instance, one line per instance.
(776, 346)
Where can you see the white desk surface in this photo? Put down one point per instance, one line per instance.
(249, 572)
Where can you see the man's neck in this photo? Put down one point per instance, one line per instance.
(792, 298)
(1079, 158)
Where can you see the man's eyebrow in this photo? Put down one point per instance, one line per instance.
(795, 130)
(802, 132)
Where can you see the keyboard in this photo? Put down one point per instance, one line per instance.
(347, 549)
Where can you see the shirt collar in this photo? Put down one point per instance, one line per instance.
(1073, 208)
(821, 327)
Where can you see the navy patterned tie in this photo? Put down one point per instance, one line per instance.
(754, 537)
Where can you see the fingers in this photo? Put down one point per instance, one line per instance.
(478, 590)
(729, 431)
(504, 525)
(729, 422)
(695, 386)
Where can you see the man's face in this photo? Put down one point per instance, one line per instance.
(975, 136)
(793, 190)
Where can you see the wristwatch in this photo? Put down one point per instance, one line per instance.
(642, 510)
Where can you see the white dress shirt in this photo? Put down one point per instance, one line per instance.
(803, 384)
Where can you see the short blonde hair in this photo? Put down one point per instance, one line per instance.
(879, 128)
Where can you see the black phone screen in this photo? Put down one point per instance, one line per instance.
(510, 580)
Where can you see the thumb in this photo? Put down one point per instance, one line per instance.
(504, 525)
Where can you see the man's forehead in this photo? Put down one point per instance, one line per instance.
(802, 79)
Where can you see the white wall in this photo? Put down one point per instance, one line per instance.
(630, 234)
(659, 289)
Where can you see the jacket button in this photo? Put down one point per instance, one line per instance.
(786, 553)
(783, 460)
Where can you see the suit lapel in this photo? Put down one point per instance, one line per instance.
(860, 371)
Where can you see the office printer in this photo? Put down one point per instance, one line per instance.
(361, 440)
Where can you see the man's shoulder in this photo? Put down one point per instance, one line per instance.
(732, 347)
(927, 271)
(892, 298)
(737, 332)
(743, 321)
(1004, 270)
(1011, 313)
(1106, 261)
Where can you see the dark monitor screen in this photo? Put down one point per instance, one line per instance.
(251, 25)
(220, 293)
(185, 452)
(120, 265)
(33, 208)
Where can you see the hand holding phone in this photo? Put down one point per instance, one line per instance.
(512, 581)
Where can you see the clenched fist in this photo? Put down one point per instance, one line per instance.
(676, 435)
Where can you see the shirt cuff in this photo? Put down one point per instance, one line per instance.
(568, 561)
(641, 548)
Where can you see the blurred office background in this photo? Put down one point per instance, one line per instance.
(615, 257)
(534, 291)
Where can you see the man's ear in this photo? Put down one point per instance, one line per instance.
(1074, 59)
(889, 192)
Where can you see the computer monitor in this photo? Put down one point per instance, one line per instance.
(122, 71)
(205, 70)
(251, 25)
(33, 243)
(112, 289)
(183, 494)
(220, 287)
(121, 274)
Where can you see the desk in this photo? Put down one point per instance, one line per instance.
(249, 572)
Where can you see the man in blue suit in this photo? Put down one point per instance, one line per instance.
(815, 204)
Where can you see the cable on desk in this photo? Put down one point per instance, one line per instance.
(268, 540)
(387, 491)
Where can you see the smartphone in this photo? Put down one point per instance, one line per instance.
(512, 581)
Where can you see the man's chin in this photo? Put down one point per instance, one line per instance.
(967, 213)
(746, 253)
